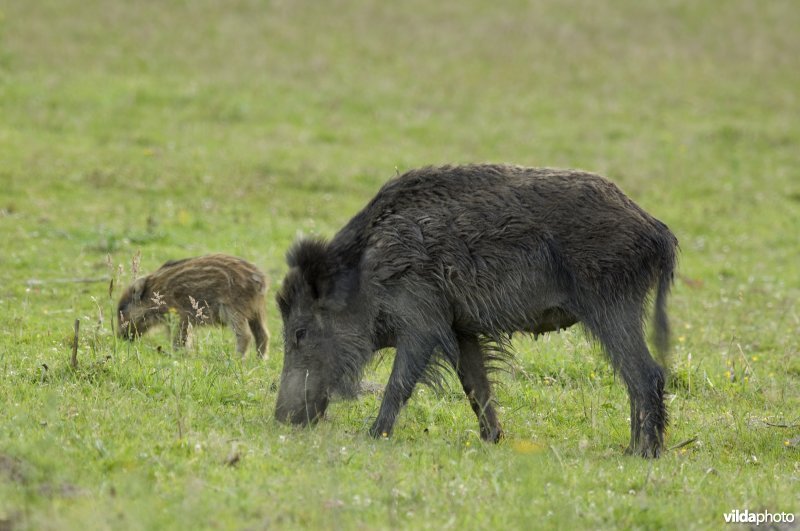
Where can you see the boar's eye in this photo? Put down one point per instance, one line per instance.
(299, 334)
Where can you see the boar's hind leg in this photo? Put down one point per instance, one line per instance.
(261, 336)
(472, 373)
(622, 336)
(411, 360)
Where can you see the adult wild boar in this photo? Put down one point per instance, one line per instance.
(206, 290)
(445, 263)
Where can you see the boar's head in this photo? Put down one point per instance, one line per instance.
(326, 332)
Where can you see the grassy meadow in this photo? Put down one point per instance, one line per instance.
(137, 132)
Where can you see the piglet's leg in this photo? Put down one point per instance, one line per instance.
(181, 334)
(261, 335)
(242, 331)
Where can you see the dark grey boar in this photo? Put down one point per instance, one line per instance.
(444, 264)
(207, 290)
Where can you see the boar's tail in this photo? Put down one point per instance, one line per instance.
(661, 328)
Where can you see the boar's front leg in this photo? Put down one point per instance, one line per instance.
(472, 373)
(410, 362)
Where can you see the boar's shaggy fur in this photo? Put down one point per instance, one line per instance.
(207, 290)
(444, 264)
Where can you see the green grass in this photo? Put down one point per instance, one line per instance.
(176, 129)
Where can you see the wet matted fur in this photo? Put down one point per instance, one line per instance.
(445, 263)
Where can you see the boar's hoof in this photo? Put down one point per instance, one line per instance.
(379, 431)
(649, 449)
(493, 434)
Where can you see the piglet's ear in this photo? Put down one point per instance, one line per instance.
(311, 257)
(138, 289)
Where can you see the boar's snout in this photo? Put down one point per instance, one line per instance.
(301, 398)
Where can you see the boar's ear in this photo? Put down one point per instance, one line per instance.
(311, 258)
(331, 283)
(138, 289)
